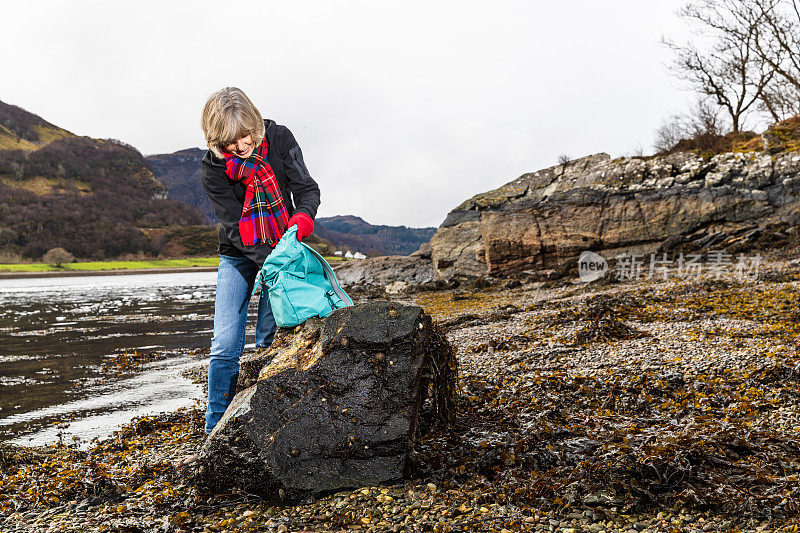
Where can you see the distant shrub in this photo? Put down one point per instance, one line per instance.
(58, 256)
(701, 130)
(701, 133)
(711, 144)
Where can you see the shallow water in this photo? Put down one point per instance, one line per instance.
(61, 340)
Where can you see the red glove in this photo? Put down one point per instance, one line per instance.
(304, 223)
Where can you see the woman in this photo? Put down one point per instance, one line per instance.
(251, 167)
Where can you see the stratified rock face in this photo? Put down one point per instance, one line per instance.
(339, 407)
(544, 220)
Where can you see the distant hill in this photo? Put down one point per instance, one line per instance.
(93, 197)
(180, 173)
(354, 233)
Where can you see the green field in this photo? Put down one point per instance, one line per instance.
(119, 265)
(110, 265)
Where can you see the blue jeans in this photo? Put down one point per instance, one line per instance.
(235, 279)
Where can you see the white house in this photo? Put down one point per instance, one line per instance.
(337, 252)
(359, 255)
(348, 255)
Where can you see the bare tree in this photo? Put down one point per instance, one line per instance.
(780, 100)
(778, 44)
(637, 151)
(730, 70)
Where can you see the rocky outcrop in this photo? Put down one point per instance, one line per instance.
(339, 406)
(545, 219)
(386, 271)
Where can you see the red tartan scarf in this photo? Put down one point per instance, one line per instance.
(264, 215)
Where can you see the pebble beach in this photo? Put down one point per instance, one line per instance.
(622, 406)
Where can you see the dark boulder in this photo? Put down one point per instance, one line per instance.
(339, 406)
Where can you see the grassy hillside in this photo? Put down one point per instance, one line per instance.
(92, 197)
(20, 130)
(780, 137)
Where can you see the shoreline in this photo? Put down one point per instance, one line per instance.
(109, 272)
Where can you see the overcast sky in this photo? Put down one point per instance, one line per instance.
(402, 109)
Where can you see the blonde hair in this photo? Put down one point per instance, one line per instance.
(228, 116)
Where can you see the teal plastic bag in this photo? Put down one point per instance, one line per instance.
(300, 283)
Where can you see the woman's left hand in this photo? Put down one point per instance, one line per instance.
(304, 223)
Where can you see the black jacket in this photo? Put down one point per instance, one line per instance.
(227, 196)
